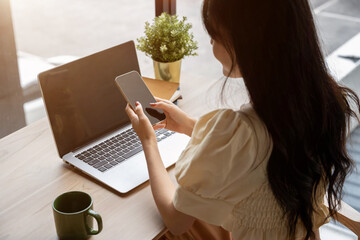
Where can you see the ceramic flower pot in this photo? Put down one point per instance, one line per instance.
(167, 71)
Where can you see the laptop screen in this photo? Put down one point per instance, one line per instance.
(81, 98)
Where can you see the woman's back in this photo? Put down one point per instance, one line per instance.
(274, 47)
(223, 170)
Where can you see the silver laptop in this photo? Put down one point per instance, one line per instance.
(91, 129)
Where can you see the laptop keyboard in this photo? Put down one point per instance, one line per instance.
(113, 151)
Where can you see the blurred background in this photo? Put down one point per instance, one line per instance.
(52, 32)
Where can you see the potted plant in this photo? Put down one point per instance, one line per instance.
(167, 41)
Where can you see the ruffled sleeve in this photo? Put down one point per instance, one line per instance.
(216, 169)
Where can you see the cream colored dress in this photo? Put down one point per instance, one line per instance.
(222, 177)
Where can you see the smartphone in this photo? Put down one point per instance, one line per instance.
(133, 88)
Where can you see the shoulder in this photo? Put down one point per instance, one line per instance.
(223, 163)
(220, 165)
(222, 117)
(219, 130)
(227, 122)
(226, 146)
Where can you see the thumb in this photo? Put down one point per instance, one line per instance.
(138, 109)
(160, 125)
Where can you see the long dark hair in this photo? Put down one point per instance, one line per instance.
(275, 45)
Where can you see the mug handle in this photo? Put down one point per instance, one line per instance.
(98, 220)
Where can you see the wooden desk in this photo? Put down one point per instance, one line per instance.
(32, 175)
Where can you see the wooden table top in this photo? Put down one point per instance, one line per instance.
(33, 175)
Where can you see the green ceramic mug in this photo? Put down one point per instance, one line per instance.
(74, 215)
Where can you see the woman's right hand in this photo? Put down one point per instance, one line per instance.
(176, 120)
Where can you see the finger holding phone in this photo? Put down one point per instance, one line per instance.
(159, 112)
(176, 119)
(141, 123)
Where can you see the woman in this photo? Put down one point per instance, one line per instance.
(260, 172)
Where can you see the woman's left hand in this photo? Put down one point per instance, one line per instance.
(141, 124)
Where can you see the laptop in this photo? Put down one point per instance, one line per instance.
(91, 129)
